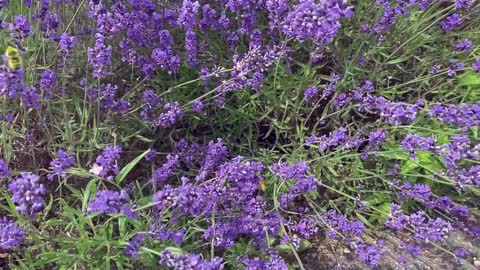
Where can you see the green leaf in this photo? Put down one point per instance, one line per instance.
(469, 78)
(91, 188)
(395, 154)
(408, 167)
(381, 213)
(124, 172)
(304, 245)
(11, 206)
(398, 60)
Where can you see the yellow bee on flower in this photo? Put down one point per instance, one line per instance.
(13, 57)
(262, 185)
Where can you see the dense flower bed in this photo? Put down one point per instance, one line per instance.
(237, 134)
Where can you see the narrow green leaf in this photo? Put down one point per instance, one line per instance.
(124, 172)
(91, 188)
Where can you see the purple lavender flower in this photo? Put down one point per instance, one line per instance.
(413, 250)
(189, 261)
(294, 171)
(111, 202)
(463, 46)
(454, 67)
(341, 100)
(274, 262)
(459, 211)
(60, 164)
(370, 254)
(476, 65)
(133, 246)
(4, 171)
(420, 192)
(158, 231)
(188, 14)
(66, 43)
(150, 102)
(20, 27)
(376, 138)
(191, 47)
(302, 186)
(150, 156)
(105, 165)
(434, 70)
(462, 115)
(215, 152)
(108, 96)
(172, 113)
(461, 252)
(396, 219)
(340, 224)
(443, 203)
(197, 106)
(451, 22)
(47, 80)
(310, 93)
(463, 4)
(8, 118)
(165, 197)
(10, 234)
(27, 193)
(413, 142)
(319, 21)
(166, 171)
(395, 113)
(100, 56)
(30, 98)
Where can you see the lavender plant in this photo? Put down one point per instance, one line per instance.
(239, 134)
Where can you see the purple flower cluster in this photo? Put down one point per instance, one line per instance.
(4, 171)
(303, 183)
(10, 234)
(172, 113)
(391, 12)
(462, 115)
(20, 28)
(111, 202)
(369, 254)
(463, 46)
(161, 174)
(58, 165)
(419, 192)
(133, 246)
(454, 67)
(106, 164)
(315, 20)
(425, 229)
(476, 65)
(310, 93)
(152, 110)
(27, 193)
(413, 142)
(273, 262)
(395, 113)
(339, 226)
(108, 96)
(451, 22)
(48, 79)
(189, 261)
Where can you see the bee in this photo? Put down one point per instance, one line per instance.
(14, 58)
(262, 185)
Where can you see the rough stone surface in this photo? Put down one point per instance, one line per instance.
(328, 254)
